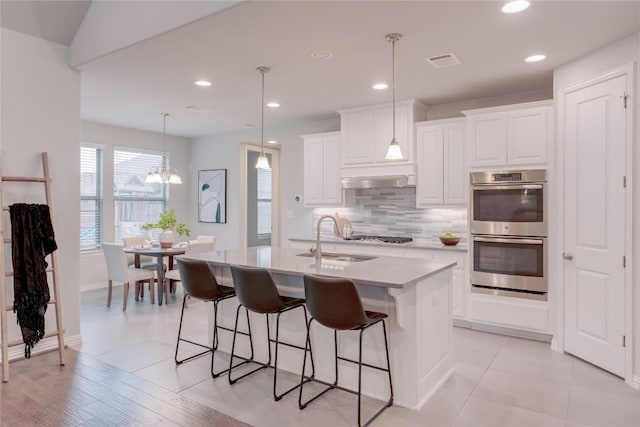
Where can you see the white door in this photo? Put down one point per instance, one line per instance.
(595, 144)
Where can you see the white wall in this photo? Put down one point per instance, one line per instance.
(41, 112)
(622, 52)
(93, 271)
(454, 109)
(223, 152)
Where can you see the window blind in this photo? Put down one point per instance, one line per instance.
(91, 200)
(135, 201)
(264, 203)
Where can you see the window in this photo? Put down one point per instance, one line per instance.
(264, 203)
(90, 198)
(136, 202)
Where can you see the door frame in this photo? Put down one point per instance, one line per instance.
(275, 196)
(557, 264)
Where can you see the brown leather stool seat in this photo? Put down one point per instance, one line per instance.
(257, 292)
(335, 304)
(199, 282)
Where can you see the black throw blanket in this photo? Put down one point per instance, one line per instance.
(32, 239)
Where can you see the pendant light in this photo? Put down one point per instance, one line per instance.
(263, 162)
(162, 174)
(393, 152)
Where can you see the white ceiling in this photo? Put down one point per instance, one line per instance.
(56, 21)
(132, 86)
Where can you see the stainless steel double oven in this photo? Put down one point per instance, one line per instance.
(509, 233)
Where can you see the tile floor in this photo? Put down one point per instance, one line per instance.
(499, 380)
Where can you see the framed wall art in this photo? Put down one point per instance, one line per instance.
(212, 196)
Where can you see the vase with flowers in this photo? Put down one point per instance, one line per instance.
(170, 226)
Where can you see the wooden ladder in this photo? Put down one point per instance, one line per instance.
(53, 268)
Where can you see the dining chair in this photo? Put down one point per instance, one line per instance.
(145, 261)
(206, 238)
(119, 271)
(194, 247)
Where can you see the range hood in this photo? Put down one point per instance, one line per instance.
(389, 181)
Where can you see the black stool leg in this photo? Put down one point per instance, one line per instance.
(386, 347)
(302, 405)
(276, 396)
(233, 345)
(208, 349)
(388, 370)
(216, 342)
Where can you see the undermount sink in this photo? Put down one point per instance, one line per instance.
(340, 257)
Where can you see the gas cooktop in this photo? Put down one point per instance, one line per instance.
(383, 239)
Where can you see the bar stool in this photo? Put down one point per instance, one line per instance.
(335, 304)
(257, 292)
(199, 282)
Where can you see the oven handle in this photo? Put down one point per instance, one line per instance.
(517, 240)
(508, 187)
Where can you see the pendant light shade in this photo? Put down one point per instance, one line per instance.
(162, 174)
(263, 162)
(393, 152)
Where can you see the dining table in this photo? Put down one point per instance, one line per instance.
(158, 253)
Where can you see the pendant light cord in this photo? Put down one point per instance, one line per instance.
(393, 85)
(262, 116)
(262, 71)
(164, 139)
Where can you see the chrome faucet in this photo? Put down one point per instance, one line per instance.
(318, 250)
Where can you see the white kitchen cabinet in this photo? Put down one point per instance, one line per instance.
(441, 163)
(367, 132)
(509, 135)
(322, 185)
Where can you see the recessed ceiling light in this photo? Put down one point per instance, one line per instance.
(535, 58)
(272, 141)
(515, 6)
(273, 104)
(321, 54)
(203, 83)
(380, 86)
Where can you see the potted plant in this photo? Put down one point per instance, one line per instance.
(168, 224)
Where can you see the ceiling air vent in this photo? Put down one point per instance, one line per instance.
(444, 60)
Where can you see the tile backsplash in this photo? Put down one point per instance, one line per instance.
(393, 212)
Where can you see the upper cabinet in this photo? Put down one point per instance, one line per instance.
(441, 163)
(517, 134)
(367, 132)
(322, 186)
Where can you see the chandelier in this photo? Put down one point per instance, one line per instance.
(162, 174)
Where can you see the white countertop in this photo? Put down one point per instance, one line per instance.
(417, 244)
(388, 272)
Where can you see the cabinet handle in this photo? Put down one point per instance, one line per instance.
(567, 256)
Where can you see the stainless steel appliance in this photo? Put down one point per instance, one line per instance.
(509, 203)
(509, 233)
(511, 266)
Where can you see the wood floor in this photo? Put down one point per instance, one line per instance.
(88, 392)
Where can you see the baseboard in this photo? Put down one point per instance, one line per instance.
(93, 286)
(538, 336)
(48, 344)
(635, 382)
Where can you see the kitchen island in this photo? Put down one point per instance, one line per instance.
(415, 293)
